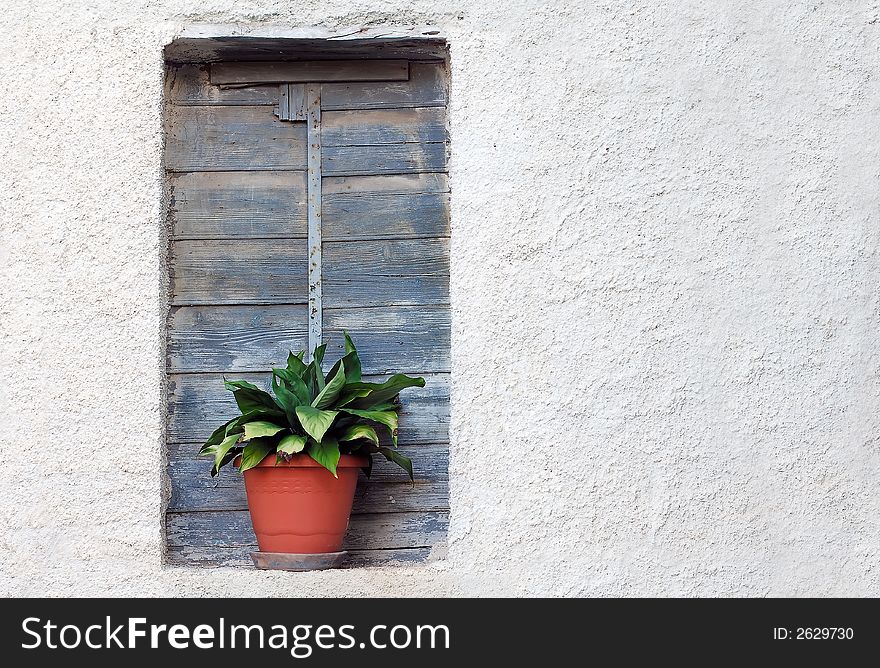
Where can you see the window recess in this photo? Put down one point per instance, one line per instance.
(307, 197)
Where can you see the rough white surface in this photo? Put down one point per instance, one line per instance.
(664, 285)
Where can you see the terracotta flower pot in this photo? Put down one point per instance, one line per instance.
(298, 506)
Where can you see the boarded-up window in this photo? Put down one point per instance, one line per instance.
(246, 212)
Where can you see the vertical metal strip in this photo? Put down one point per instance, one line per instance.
(313, 122)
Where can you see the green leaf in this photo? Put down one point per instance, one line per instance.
(249, 397)
(326, 453)
(255, 452)
(314, 421)
(387, 418)
(295, 363)
(222, 450)
(358, 431)
(331, 390)
(217, 436)
(403, 462)
(259, 428)
(351, 392)
(291, 444)
(383, 392)
(294, 384)
(318, 355)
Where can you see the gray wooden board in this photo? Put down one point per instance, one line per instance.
(386, 184)
(222, 528)
(388, 489)
(381, 216)
(232, 138)
(386, 272)
(384, 159)
(206, 205)
(383, 126)
(188, 85)
(239, 337)
(382, 43)
(306, 71)
(237, 556)
(239, 271)
(426, 88)
(198, 403)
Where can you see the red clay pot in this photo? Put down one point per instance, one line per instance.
(298, 506)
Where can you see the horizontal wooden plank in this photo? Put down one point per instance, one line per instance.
(234, 338)
(426, 87)
(198, 403)
(383, 126)
(386, 184)
(387, 490)
(190, 84)
(386, 272)
(206, 205)
(380, 216)
(238, 556)
(238, 338)
(315, 71)
(232, 138)
(240, 271)
(370, 531)
(383, 159)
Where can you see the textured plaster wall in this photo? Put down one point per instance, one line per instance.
(664, 281)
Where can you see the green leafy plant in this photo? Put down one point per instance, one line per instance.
(322, 416)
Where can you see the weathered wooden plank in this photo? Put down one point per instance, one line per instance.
(240, 338)
(315, 136)
(386, 184)
(239, 271)
(388, 489)
(384, 159)
(380, 216)
(426, 87)
(368, 531)
(383, 126)
(198, 403)
(232, 138)
(386, 272)
(238, 556)
(212, 205)
(189, 85)
(314, 71)
(234, 338)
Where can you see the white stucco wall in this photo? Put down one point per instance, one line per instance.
(666, 367)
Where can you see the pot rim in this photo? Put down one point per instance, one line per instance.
(301, 460)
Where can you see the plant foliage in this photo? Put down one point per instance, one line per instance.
(322, 416)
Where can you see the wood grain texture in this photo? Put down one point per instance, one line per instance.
(207, 138)
(388, 490)
(237, 556)
(198, 403)
(386, 184)
(380, 216)
(240, 338)
(383, 126)
(189, 85)
(386, 272)
(384, 159)
(216, 205)
(426, 87)
(234, 338)
(305, 71)
(368, 531)
(240, 271)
